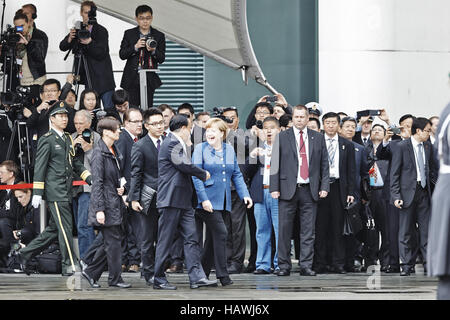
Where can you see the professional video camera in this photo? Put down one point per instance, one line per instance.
(21, 97)
(218, 113)
(82, 29)
(10, 37)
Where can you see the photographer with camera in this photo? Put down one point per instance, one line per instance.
(85, 140)
(31, 50)
(143, 47)
(89, 42)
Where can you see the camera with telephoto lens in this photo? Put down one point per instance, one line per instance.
(150, 42)
(218, 113)
(86, 135)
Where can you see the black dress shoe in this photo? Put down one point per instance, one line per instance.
(412, 269)
(283, 273)
(164, 286)
(250, 268)
(121, 285)
(307, 272)
(261, 271)
(150, 281)
(67, 274)
(232, 269)
(338, 270)
(405, 272)
(83, 265)
(91, 281)
(392, 269)
(225, 281)
(384, 269)
(203, 283)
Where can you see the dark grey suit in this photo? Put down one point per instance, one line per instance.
(294, 198)
(175, 205)
(416, 200)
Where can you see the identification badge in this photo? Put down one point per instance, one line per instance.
(19, 61)
(123, 182)
(35, 137)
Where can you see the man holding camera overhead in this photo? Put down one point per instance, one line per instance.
(95, 49)
(143, 47)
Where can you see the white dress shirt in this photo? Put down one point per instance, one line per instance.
(334, 170)
(267, 158)
(131, 135)
(155, 141)
(297, 143)
(415, 144)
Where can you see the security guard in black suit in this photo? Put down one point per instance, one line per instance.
(53, 175)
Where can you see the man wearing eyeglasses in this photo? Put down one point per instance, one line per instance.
(140, 55)
(130, 134)
(144, 172)
(412, 172)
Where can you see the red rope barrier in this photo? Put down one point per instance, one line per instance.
(30, 185)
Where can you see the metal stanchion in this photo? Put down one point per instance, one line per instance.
(143, 86)
(43, 215)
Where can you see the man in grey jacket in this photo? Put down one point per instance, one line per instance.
(84, 140)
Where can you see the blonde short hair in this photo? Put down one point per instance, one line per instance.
(219, 124)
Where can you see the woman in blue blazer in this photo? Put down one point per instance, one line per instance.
(214, 195)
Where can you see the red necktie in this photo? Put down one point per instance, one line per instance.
(304, 172)
(135, 139)
(164, 133)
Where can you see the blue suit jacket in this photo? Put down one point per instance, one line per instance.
(218, 188)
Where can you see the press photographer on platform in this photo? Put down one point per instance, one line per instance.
(143, 47)
(88, 41)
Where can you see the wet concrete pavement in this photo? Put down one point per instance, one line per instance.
(352, 286)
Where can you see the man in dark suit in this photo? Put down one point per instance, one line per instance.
(96, 54)
(129, 135)
(330, 213)
(174, 200)
(144, 171)
(139, 56)
(299, 177)
(412, 171)
(197, 132)
(353, 243)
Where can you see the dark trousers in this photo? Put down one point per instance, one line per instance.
(303, 204)
(90, 254)
(378, 206)
(329, 228)
(215, 246)
(393, 227)
(59, 228)
(418, 211)
(7, 226)
(176, 250)
(170, 220)
(235, 223)
(108, 254)
(135, 96)
(252, 234)
(147, 236)
(131, 253)
(443, 290)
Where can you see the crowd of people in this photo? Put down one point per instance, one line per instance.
(167, 189)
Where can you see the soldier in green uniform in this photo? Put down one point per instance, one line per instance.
(53, 176)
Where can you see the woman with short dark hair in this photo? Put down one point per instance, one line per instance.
(106, 206)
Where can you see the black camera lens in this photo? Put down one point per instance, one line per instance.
(259, 124)
(86, 134)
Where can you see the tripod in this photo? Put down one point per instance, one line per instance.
(20, 130)
(79, 56)
(81, 60)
